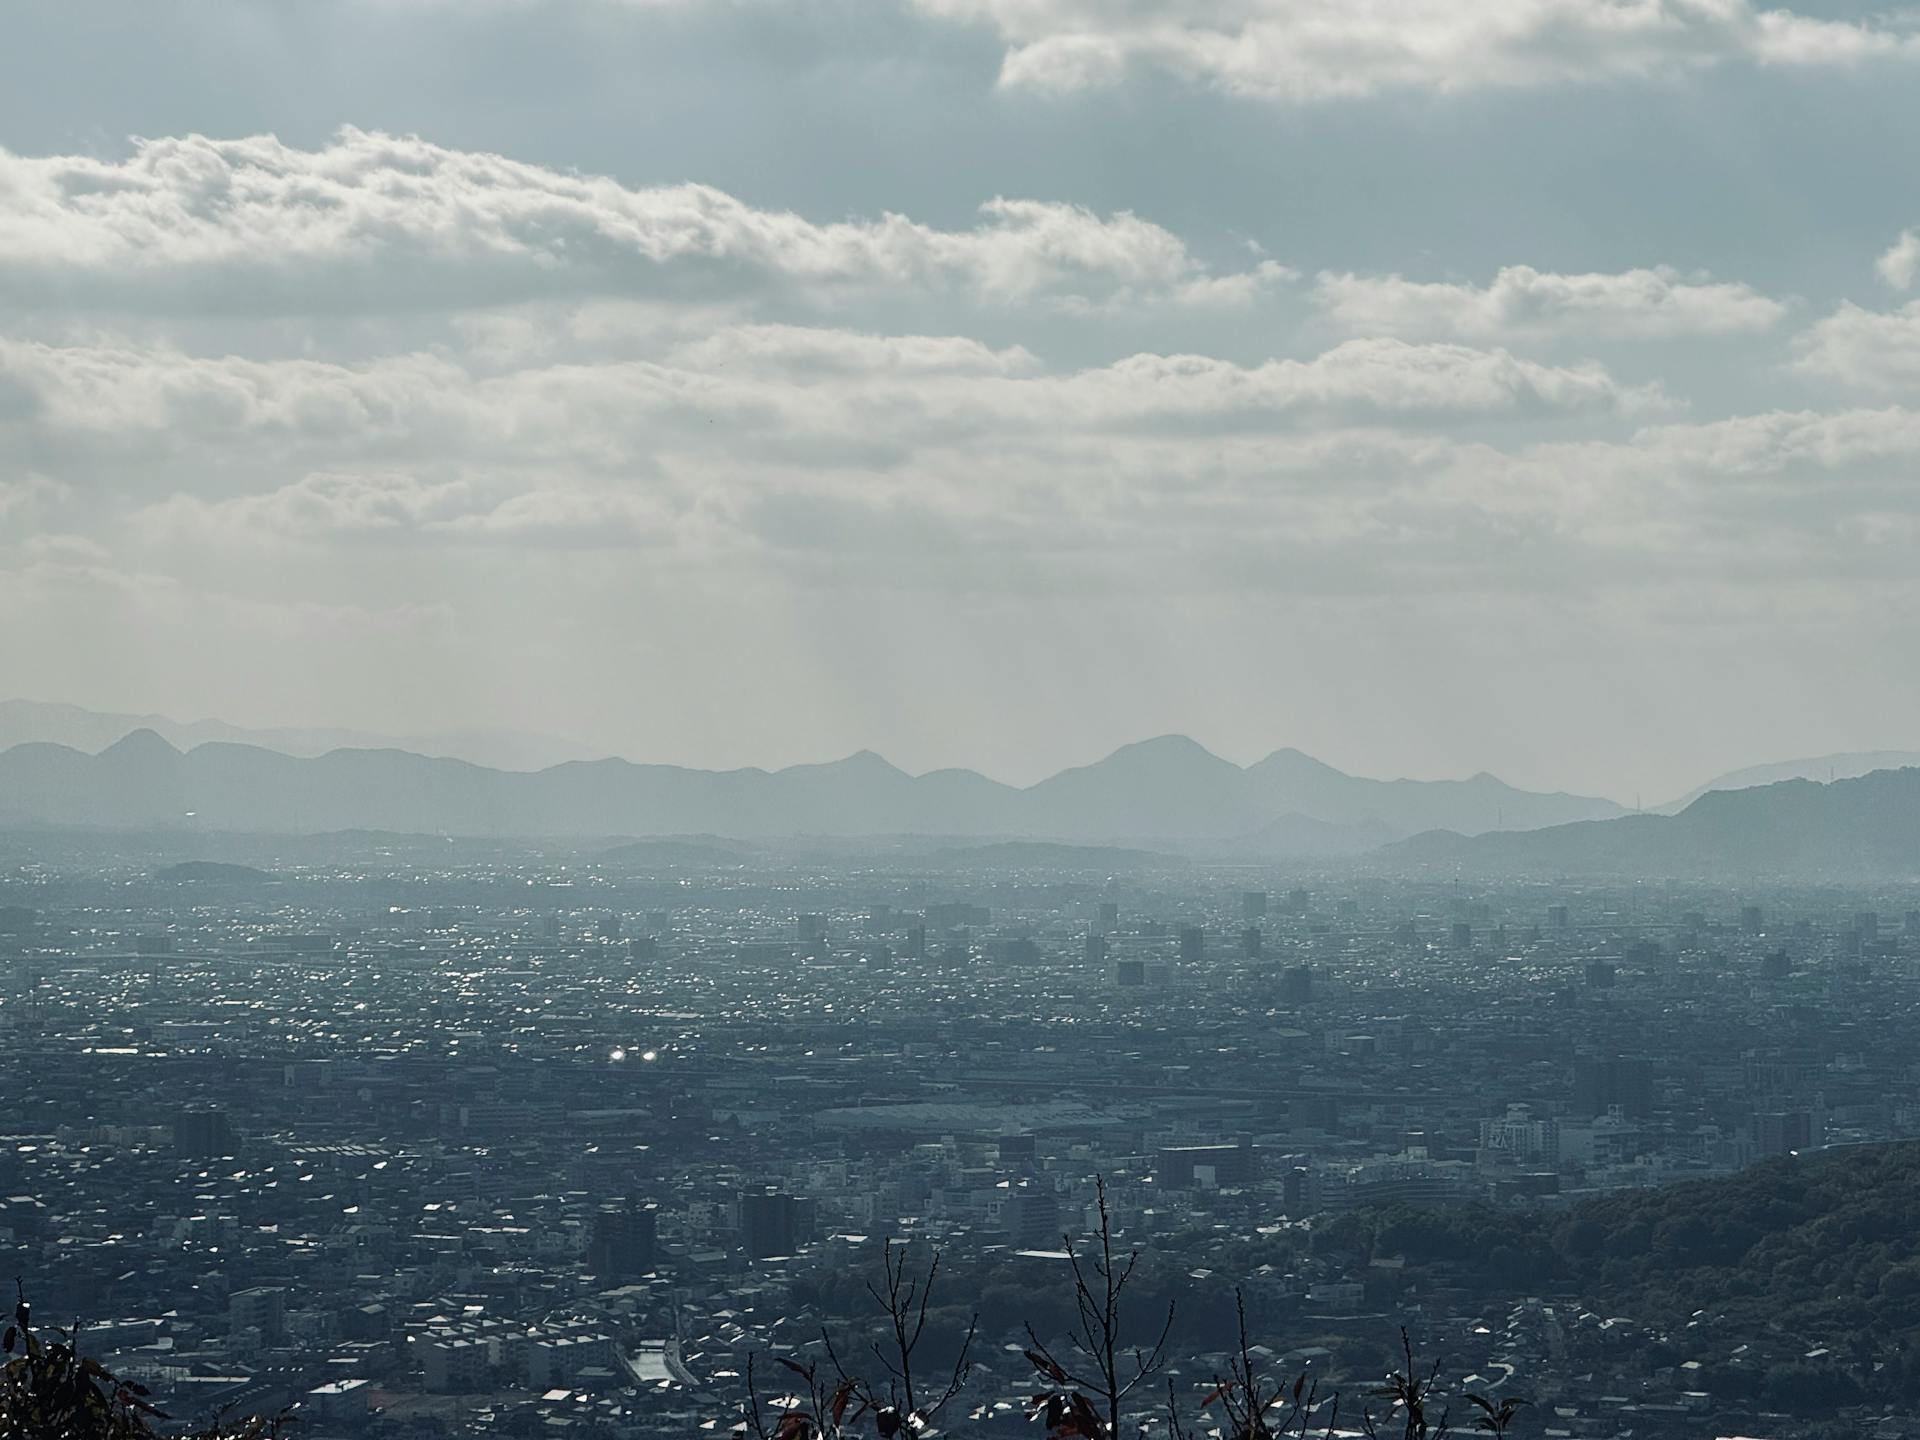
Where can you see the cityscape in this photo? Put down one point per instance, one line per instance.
(960, 719)
(410, 1137)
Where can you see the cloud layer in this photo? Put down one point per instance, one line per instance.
(1319, 50)
(377, 222)
(1525, 303)
(386, 397)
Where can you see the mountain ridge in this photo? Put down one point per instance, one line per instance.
(1866, 826)
(30, 721)
(1169, 788)
(1844, 765)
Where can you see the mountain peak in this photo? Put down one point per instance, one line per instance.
(860, 762)
(1171, 748)
(141, 744)
(1289, 761)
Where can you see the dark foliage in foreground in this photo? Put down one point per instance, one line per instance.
(50, 1391)
(1799, 1255)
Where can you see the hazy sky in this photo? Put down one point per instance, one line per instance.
(1523, 385)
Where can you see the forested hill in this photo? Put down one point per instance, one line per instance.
(1851, 830)
(1796, 1282)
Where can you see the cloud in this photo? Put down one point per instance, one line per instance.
(1775, 442)
(356, 508)
(1317, 50)
(1526, 303)
(382, 223)
(1901, 264)
(788, 395)
(1864, 348)
(1384, 375)
(22, 495)
(806, 351)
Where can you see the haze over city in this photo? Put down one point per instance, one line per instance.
(874, 719)
(978, 384)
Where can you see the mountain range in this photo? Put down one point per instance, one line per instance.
(24, 722)
(1165, 790)
(1867, 827)
(1848, 766)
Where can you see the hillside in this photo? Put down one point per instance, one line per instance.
(1795, 1283)
(1851, 829)
(1847, 766)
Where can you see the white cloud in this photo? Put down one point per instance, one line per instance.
(380, 222)
(1864, 348)
(21, 495)
(359, 507)
(1777, 441)
(805, 350)
(1384, 375)
(1526, 303)
(794, 393)
(1901, 264)
(1314, 50)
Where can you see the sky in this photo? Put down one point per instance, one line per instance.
(1529, 386)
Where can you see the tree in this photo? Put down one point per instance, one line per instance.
(1087, 1397)
(50, 1391)
(1255, 1408)
(1412, 1396)
(903, 1404)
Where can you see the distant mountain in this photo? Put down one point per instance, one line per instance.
(25, 722)
(1291, 781)
(1165, 787)
(1820, 767)
(1169, 789)
(1863, 828)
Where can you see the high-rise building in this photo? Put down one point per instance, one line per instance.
(204, 1134)
(1600, 1085)
(1187, 1167)
(1296, 985)
(1096, 951)
(620, 1245)
(1782, 1132)
(1193, 945)
(262, 1308)
(1016, 950)
(1109, 917)
(1252, 943)
(769, 1223)
(1030, 1215)
(1253, 905)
